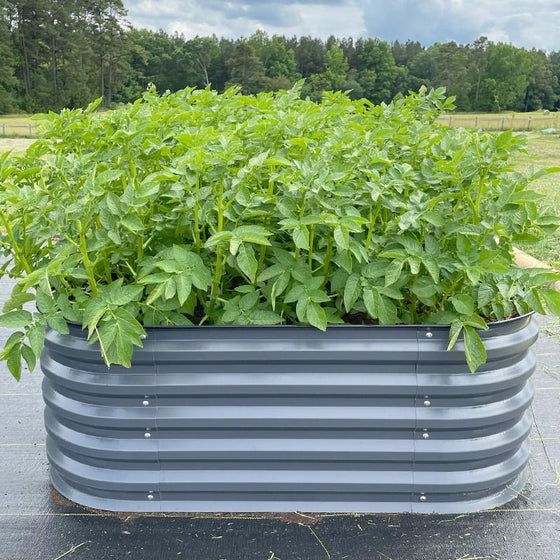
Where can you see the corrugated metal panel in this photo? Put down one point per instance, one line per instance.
(359, 418)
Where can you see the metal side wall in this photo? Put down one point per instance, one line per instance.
(359, 418)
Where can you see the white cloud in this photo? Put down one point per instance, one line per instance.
(528, 23)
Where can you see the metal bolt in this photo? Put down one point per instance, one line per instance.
(429, 334)
(427, 403)
(143, 337)
(145, 403)
(423, 498)
(147, 435)
(426, 435)
(150, 496)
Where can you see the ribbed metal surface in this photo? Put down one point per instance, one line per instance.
(359, 418)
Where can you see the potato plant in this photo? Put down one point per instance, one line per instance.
(197, 208)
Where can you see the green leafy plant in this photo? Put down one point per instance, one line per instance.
(200, 208)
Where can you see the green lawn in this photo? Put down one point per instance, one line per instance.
(544, 151)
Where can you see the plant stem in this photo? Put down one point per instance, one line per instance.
(87, 263)
(19, 256)
(311, 239)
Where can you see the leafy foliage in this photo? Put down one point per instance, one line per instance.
(200, 208)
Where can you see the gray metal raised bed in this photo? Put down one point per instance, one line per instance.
(359, 418)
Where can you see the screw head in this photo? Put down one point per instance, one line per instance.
(426, 435)
(427, 403)
(147, 435)
(429, 334)
(423, 498)
(150, 496)
(145, 403)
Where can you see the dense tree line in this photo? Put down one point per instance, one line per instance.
(65, 53)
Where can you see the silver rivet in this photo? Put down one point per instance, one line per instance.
(423, 498)
(426, 435)
(143, 337)
(147, 435)
(427, 403)
(145, 403)
(150, 496)
(429, 334)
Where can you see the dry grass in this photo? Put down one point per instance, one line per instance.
(536, 120)
(15, 144)
(17, 125)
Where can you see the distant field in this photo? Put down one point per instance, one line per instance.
(17, 126)
(536, 120)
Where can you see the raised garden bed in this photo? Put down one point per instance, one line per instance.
(357, 418)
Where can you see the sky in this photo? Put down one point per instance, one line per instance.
(524, 23)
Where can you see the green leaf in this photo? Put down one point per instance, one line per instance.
(252, 234)
(475, 321)
(118, 294)
(57, 323)
(170, 288)
(184, 286)
(387, 311)
(94, 310)
(263, 317)
(301, 308)
(14, 361)
(414, 264)
(393, 272)
(247, 262)
(294, 294)
(16, 319)
(551, 299)
(217, 238)
(201, 276)
(316, 316)
(342, 237)
(371, 302)
(432, 267)
(463, 304)
(533, 300)
(36, 337)
(249, 301)
(352, 291)
(132, 222)
(271, 272)
(454, 331)
(17, 300)
(474, 348)
(424, 287)
(278, 287)
(29, 357)
(118, 336)
(113, 203)
(156, 278)
(485, 294)
(434, 218)
(108, 176)
(301, 237)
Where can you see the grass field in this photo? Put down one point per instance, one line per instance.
(18, 125)
(536, 120)
(543, 151)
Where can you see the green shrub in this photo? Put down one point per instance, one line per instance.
(200, 208)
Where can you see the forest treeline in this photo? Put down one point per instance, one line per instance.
(65, 53)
